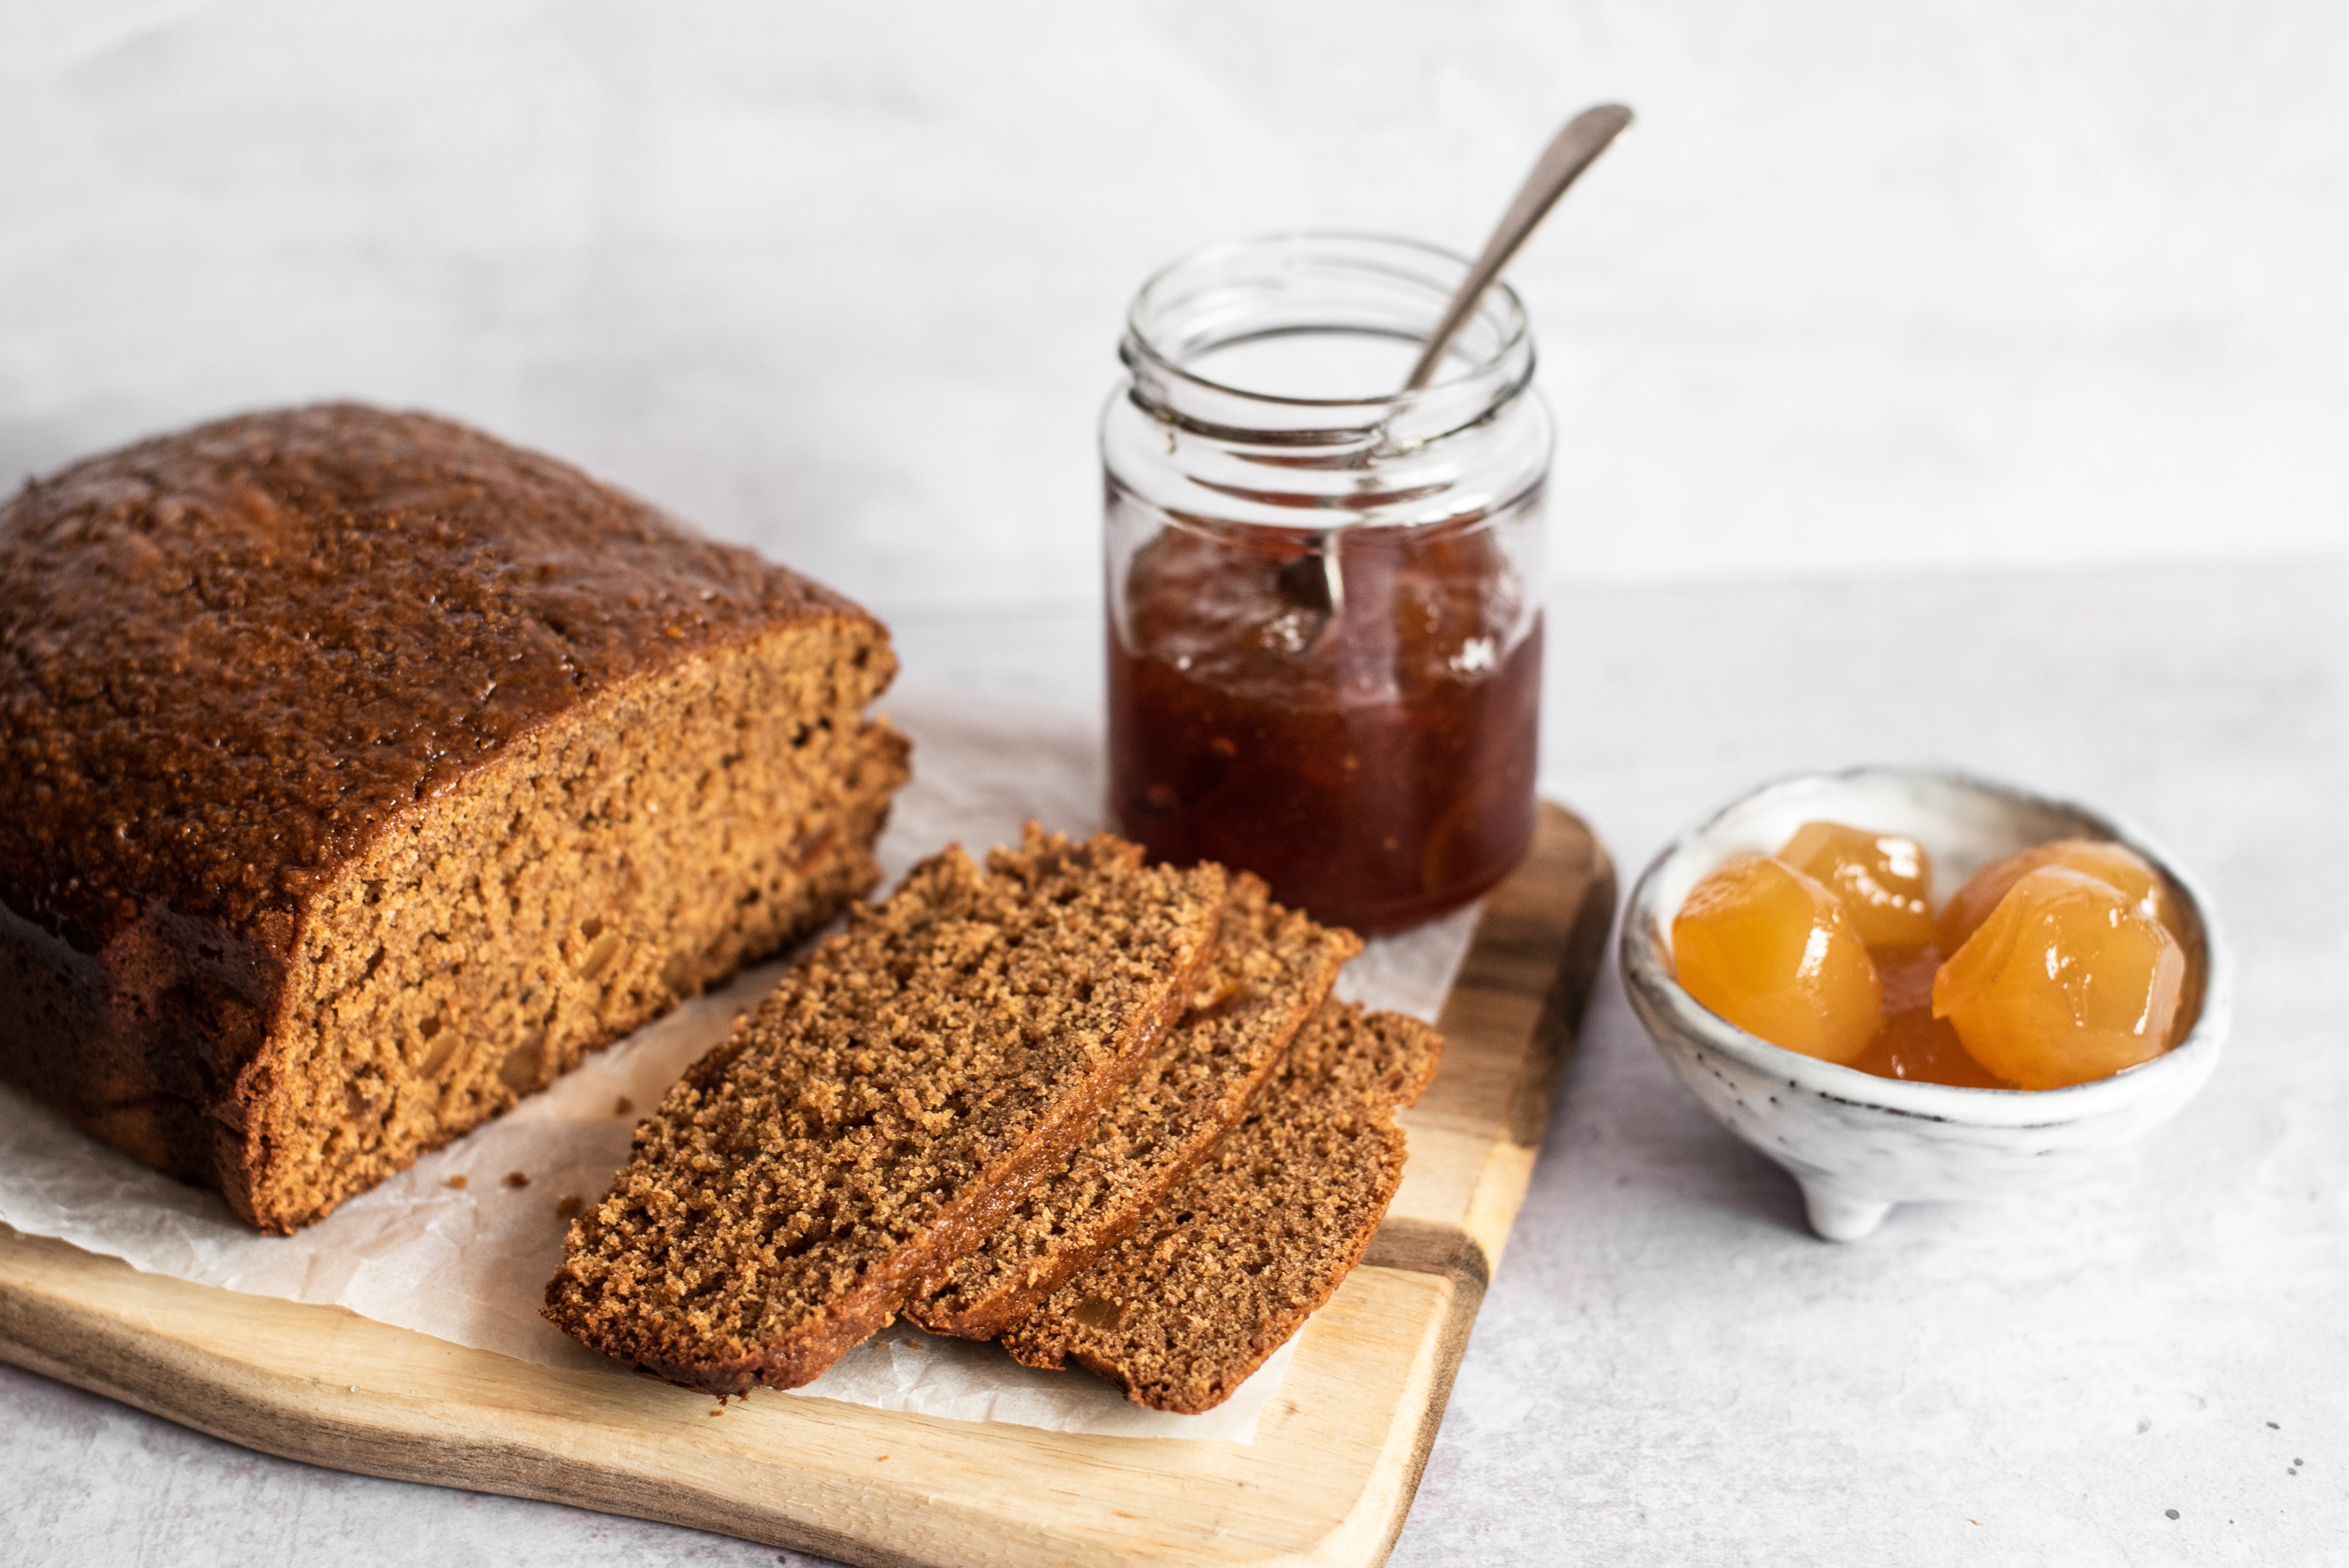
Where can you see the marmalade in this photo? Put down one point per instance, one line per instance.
(1373, 759)
(2057, 966)
(1325, 643)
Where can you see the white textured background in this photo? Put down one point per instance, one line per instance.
(1982, 283)
(1979, 288)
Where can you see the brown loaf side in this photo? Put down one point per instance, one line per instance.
(360, 772)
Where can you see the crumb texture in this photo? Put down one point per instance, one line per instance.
(884, 1109)
(1273, 967)
(1260, 1235)
(359, 772)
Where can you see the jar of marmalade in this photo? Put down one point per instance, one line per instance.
(1324, 593)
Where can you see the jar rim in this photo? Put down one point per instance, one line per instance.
(1500, 306)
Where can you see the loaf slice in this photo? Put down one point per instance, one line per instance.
(884, 1111)
(360, 772)
(1260, 1235)
(1273, 968)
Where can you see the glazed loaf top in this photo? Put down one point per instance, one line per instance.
(228, 655)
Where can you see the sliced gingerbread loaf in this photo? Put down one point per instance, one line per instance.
(1260, 1235)
(360, 772)
(884, 1111)
(1273, 968)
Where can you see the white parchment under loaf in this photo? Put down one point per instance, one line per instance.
(469, 1264)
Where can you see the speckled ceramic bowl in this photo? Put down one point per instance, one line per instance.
(1859, 1143)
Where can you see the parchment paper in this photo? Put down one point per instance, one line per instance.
(469, 1263)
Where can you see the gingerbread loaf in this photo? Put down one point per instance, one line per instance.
(1236, 1259)
(360, 772)
(883, 1112)
(1273, 967)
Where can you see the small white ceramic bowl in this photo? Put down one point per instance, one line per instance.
(1859, 1143)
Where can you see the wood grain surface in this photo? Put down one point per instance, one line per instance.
(1337, 1456)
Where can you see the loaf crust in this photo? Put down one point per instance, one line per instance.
(881, 1113)
(290, 701)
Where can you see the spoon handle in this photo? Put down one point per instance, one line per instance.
(1574, 150)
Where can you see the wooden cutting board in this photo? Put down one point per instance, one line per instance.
(1337, 1455)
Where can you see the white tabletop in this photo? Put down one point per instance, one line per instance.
(1669, 1368)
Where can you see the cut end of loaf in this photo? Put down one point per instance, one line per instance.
(618, 859)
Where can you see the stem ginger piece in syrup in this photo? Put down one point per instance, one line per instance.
(2067, 981)
(1773, 951)
(2114, 864)
(1884, 880)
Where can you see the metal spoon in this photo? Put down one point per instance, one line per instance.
(1574, 148)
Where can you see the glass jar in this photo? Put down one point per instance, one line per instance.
(1324, 593)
